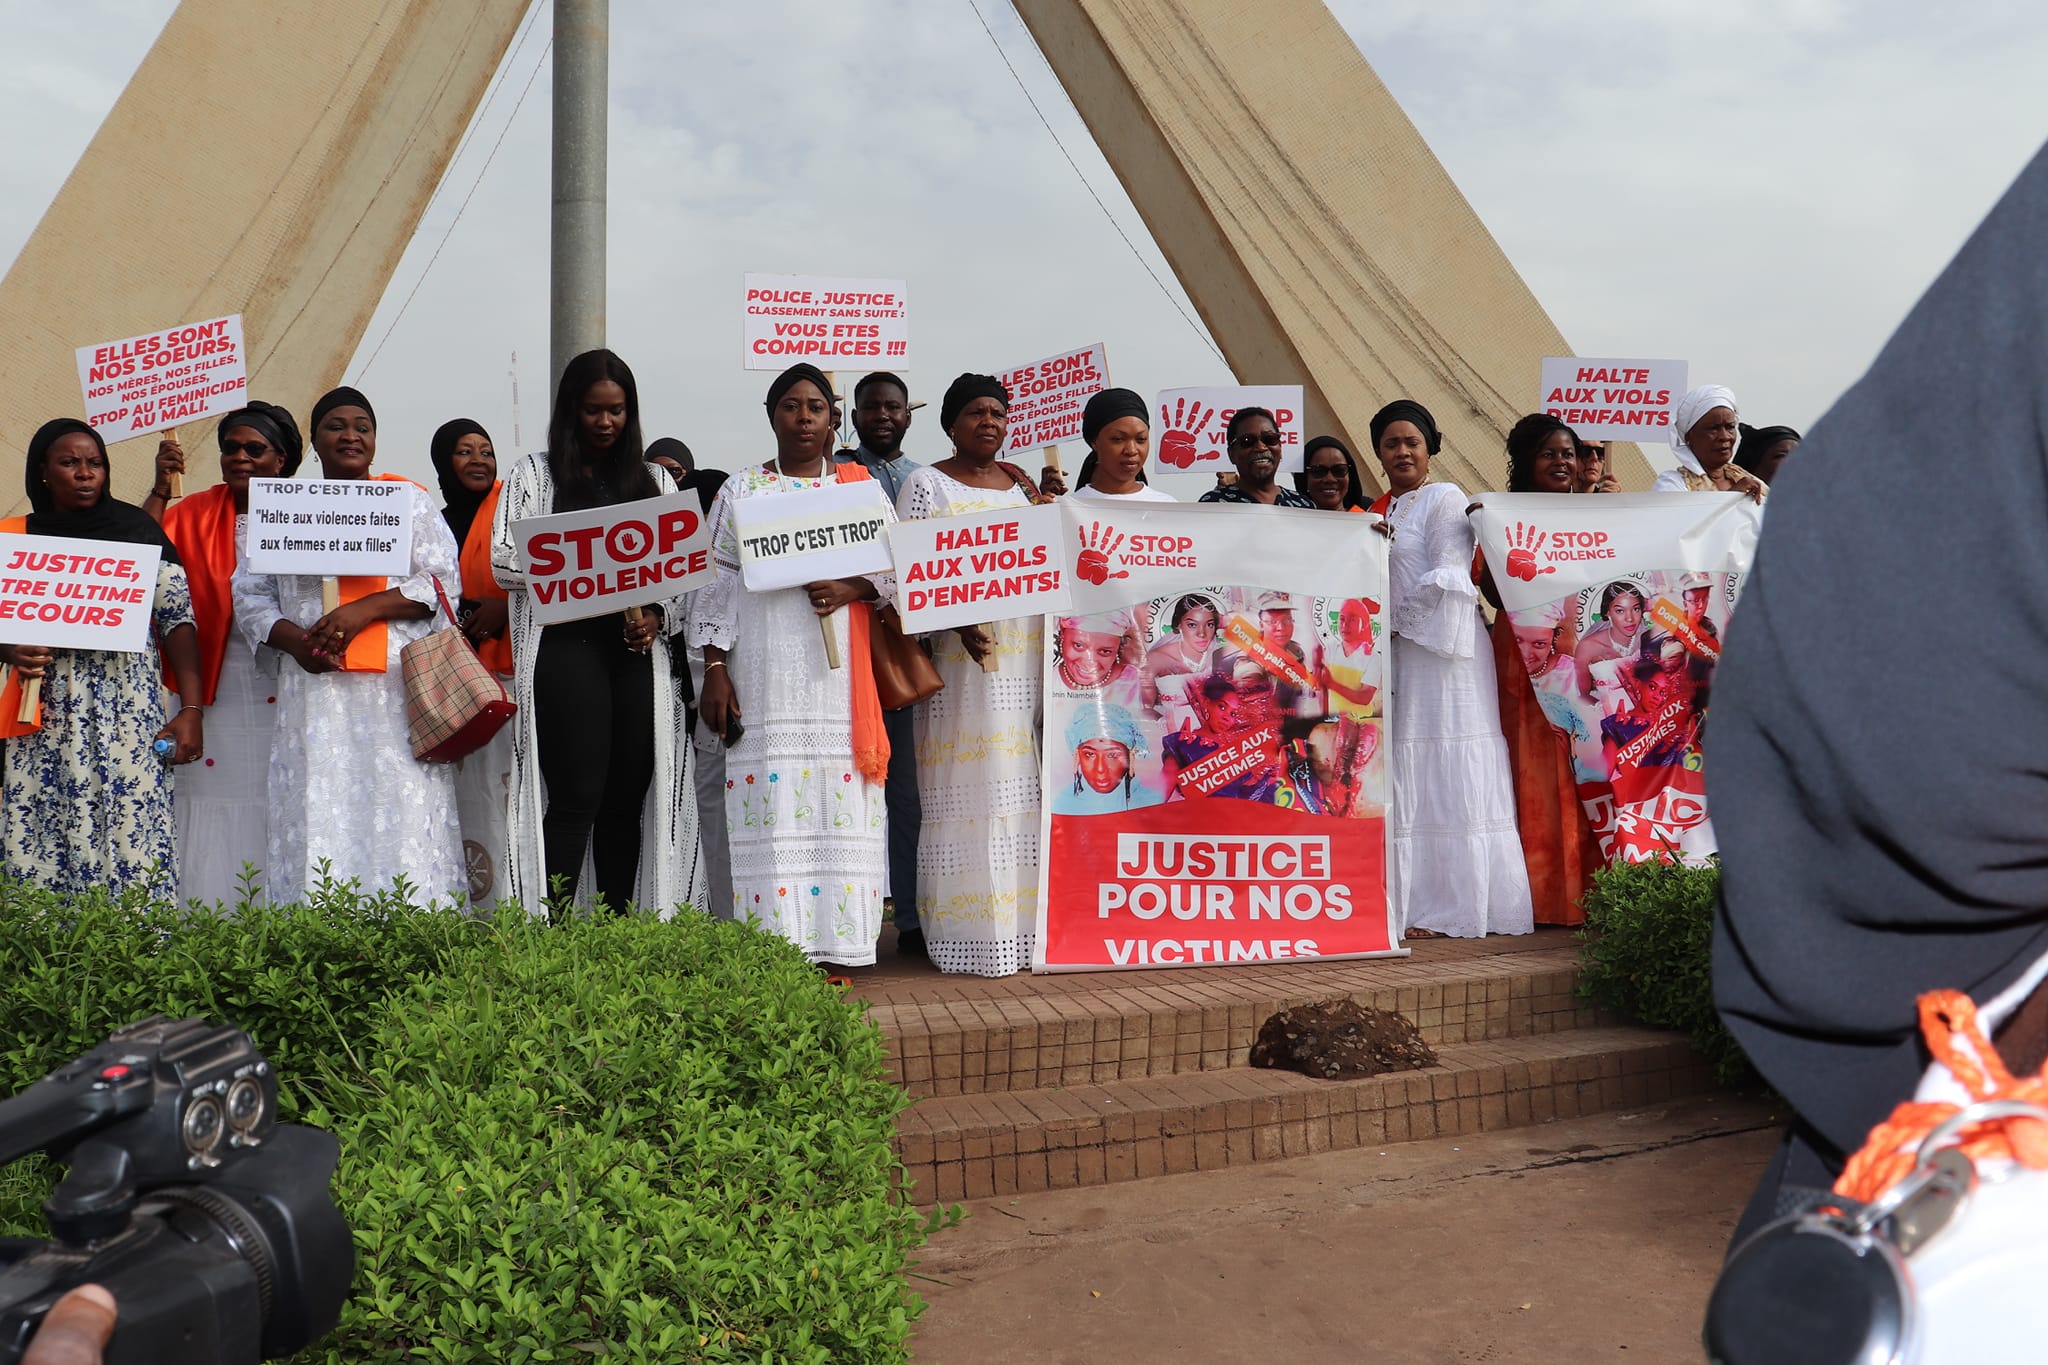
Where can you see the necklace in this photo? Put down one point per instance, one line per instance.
(783, 473)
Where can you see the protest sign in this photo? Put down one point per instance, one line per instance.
(76, 594)
(832, 323)
(1215, 767)
(331, 528)
(789, 539)
(1190, 431)
(1613, 400)
(970, 570)
(1047, 396)
(605, 559)
(159, 379)
(1619, 605)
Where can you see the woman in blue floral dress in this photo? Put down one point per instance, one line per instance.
(84, 799)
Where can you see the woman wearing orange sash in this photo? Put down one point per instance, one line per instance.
(1539, 680)
(85, 800)
(808, 756)
(348, 801)
(223, 808)
(466, 465)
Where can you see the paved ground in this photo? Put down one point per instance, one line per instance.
(1589, 1239)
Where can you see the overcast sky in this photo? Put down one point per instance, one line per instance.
(1761, 187)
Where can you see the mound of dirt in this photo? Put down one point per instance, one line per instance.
(1340, 1040)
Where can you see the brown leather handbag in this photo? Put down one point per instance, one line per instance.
(904, 673)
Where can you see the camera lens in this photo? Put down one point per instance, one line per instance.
(245, 1104)
(202, 1125)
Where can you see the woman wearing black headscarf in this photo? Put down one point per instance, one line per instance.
(85, 801)
(1864, 862)
(1457, 859)
(223, 810)
(1116, 426)
(1763, 450)
(348, 801)
(597, 781)
(809, 757)
(977, 740)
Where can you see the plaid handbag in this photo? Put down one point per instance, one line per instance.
(453, 703)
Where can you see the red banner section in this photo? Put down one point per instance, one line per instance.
(1215, 880)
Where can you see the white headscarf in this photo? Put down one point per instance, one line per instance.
(1695, 405)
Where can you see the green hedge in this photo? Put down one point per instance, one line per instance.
(1648, 953)
(614, 1137)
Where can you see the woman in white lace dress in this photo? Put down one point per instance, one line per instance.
(804, 783)
(977, 740)
(347, 798)
(1457, 856)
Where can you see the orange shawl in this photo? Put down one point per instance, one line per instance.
(368, 651)
(479, 583)
(870, 740)
(10, 695)
(203, 529)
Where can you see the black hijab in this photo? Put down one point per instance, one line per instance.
(274, 424)
(1407, 410)
(458, 504)
(107, 519)
(1865, 862)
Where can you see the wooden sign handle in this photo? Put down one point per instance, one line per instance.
(31, 693)
(177, 480)
(330, 595)
(831, 641)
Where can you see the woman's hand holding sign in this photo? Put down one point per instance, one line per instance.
(30, 661)
(830, 594)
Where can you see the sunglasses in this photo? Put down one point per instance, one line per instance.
(255, 450)
(1256, 438)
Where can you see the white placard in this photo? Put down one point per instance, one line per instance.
(159, 379)
(1047, 396)
(987, 566)
(835, 324)
(1613, 400)
(605, 559)
(331, 528)
(76, 594)
(1541, 546)
(1189, 430)
(790, 539)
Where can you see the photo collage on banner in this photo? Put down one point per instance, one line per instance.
(1216, 752)
(1620, 605)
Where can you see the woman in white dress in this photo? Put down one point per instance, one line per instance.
(223, 810)
(602, 806)
(977, 739)
(804, 782)
(1457, 856)
(348, 801)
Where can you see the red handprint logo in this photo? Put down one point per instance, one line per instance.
(1098, 543)
(1180, 446)
(1524, 541)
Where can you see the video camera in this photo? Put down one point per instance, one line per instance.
(209, 1222)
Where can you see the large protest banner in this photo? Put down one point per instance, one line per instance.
(1047, 396)
(76, 594)
(1192, 423)
(832, 323)
(146, 383)
(1215, 767)
(605, 559)
(1619, 605)
(1612, 400)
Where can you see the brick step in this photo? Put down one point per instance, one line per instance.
(980, 1146)
(1122, 1026)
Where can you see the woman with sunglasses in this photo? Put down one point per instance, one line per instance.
(1253, 441)
(221, 801)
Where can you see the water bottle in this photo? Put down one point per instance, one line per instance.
(165, 746)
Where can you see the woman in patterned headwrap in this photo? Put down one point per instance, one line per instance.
(222, 801)
(1457, 862)
(809, 757)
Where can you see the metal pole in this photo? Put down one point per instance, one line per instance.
(577, 237)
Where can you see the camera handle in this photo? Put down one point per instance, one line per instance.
(96, 1196)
